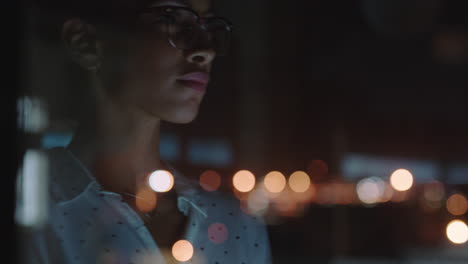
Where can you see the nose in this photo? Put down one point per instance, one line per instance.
(201, 57)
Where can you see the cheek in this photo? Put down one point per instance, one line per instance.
(142, 64)
(145, 72)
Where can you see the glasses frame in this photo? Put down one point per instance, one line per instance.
(167, 10)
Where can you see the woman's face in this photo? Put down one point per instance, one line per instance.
(141, 69)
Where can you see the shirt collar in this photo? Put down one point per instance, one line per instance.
(188, 193)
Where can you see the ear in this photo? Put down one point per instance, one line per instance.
(82, 43)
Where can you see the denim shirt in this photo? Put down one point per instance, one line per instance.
(91, 225)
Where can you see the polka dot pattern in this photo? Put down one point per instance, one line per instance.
(92, 224)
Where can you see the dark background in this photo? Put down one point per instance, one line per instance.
(316, 79)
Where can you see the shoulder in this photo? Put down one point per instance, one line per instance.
(68, 178)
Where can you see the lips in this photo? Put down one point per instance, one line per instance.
(195, 80)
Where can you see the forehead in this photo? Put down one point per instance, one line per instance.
(200, 6)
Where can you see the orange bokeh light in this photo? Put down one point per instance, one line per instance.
(146, 200)
(299, 181)
(274, 182)
(457, 204)
(182, 250)
(243, 181)
(210, 180)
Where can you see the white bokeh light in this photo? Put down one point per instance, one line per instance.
(161, 181)
(401, 180)
(457, 232)
(370, 190)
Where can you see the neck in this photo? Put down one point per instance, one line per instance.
(120, 146)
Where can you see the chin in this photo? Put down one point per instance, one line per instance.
(183, 117)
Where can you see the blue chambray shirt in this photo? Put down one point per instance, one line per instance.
(90, 225)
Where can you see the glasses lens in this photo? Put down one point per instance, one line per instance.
(219, 33)
(186, 33)
(182, 29)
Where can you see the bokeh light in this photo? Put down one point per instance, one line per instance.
(243, 181)
(33, 114)
(210, 180)
(274, 182)
(145, 200)
(401, 180)
(325, 194)
(457, 204)
(218, 233)
(161, 181)
(305, 197)
(182, 250)
(387, 194)
(299, 181)
(434, 191)
(285, 204)
(457, 232)
(370, 190)
(258, 202)
(32, 181)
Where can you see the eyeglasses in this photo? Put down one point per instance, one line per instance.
(186, 30)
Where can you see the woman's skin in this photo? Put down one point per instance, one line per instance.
(135, 80)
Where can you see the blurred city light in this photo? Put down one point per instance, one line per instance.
(354, 166)
(457, 232)
(182, 250)
(401, 180)
(305, 197)
(285, 203)
(161, 181)
(325, 194)
(170, 146)
(210, 180)
(213, 152)
(456, 173)
(274, 182)
(299, 181)
(32, 114)
(56, 139)
(243, 181)
(387, 194)
(258, 202)
(370, 190)
(457, 204)
(434, 191)
(32, 190)
(146, 200)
